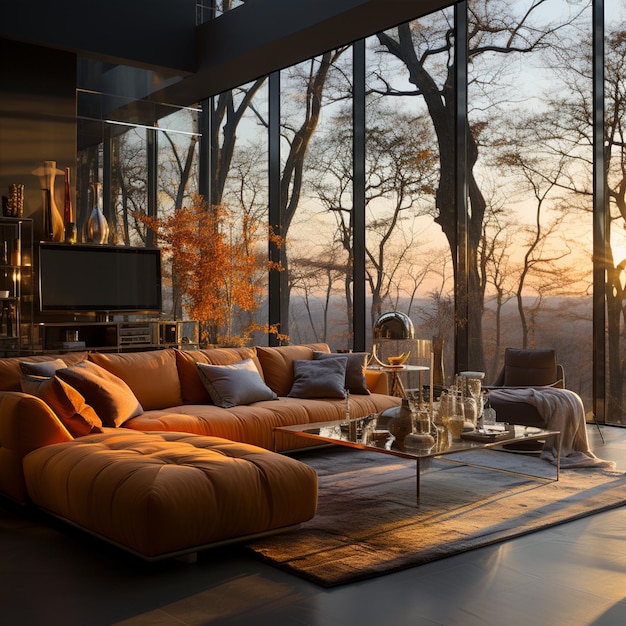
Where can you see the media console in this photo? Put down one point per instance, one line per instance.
(114, 336)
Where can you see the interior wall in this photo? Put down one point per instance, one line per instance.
(37, 119)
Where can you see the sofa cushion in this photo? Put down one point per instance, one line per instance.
(11, 373)
(255, 423)
(41, 368)
(529, 368)
(192, 388)
(277, 364)
(109, 395)
(319, 379)
(355, 369)
(67, 403)
(161, 494)
(232, 385)
(151, 375)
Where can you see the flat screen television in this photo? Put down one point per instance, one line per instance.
(99, 279)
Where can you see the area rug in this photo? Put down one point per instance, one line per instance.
(369, 522)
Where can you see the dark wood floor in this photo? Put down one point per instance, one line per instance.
(573, 574)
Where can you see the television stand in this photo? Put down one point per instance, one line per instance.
(107, 336)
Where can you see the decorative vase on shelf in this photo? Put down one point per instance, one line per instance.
(68, 214)
(97, 230)
(52, 219)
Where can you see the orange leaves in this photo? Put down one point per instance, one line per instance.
(212, 265)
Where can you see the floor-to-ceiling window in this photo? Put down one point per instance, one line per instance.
(530, 88)
(316, 199)
(238, 184)
(615, 154)
(518, 236)
(410, 164)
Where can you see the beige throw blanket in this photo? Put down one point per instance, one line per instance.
(563, 410)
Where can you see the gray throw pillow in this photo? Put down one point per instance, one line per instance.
(42, 368)
(319, 379)
(355, 369)
(232, 385)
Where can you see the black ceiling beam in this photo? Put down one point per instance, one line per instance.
(266, 35)
(153, 34)
(252, 40)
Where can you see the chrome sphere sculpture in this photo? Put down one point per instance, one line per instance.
(394, 325)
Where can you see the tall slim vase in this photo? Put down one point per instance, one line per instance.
(97, 230)
(53, 219)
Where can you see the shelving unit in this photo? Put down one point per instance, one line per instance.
(16, 285)
(22, 331)
(119, 336)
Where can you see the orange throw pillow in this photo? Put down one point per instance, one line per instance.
(67, 403)
(109, 395)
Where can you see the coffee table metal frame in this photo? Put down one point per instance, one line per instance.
(345, 434)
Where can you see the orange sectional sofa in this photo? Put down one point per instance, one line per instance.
(166, 452)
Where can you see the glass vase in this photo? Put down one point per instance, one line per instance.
(97, 230)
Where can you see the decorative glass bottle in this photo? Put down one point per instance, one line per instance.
(421, 439)
(97, 230)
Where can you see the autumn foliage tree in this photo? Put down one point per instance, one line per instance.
(215, 268)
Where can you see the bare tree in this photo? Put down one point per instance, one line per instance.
(312, 77)
(425, 48)
(497, 242)
(316, 277)
(565, 139)
(228, 111)
(129, 188)
(540, 179)
(615, 138)
(400, 171)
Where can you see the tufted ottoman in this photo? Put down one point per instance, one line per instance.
(161, 495)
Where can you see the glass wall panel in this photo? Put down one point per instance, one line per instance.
(316, 200)
(177, 156)
(529, 185)
(530, 223)
(239, 185)
(129, 187)
(410, 165)
(145, 156)
(615, 140)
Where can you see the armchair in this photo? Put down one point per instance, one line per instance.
(525, 368)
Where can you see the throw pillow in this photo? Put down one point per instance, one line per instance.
(67, 403)
(277, 363)
(192, 388)
(319, 379)
(232, 385)
(110, 396)
(41, 368)
(355, 369)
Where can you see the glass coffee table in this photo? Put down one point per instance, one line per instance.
(364, 434)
